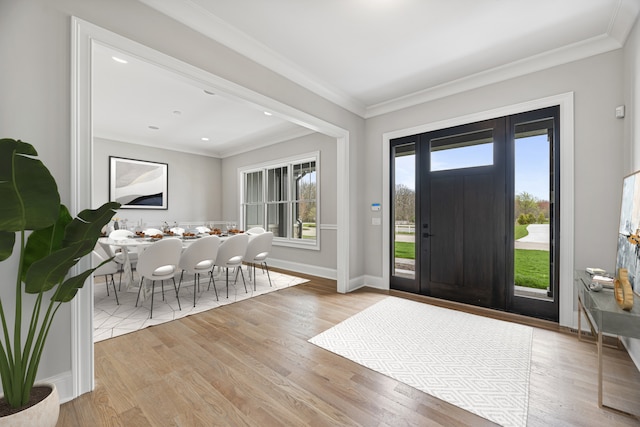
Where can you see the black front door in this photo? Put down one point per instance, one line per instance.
(462, 214)
(475, 213)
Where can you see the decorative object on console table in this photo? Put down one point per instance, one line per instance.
(31, 203)
(622, 290)
(601, 282)
(138, 184)
(604, 316)
(628, 254)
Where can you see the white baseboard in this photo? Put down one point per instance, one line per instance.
(633, 348)
(64, 384)
(327, 273)
(366, 280)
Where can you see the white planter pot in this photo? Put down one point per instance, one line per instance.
(43, 414)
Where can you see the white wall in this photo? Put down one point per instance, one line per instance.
(195, 183)
(632, 130)
(35, 46)
(321, 262)
(34, 107)
(598, 89)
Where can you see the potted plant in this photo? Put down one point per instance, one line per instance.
(30, 202)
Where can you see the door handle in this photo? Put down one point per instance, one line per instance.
(427, 235)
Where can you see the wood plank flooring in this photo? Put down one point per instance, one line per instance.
(249, 364)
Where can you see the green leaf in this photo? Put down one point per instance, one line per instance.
(51, 256)
(89, 223)
(28, 192)
(7, 241)
(70, 287)
(42, 242)
(47, 272)
(67, 232)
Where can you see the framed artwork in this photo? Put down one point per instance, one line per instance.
(628, 255)
(138, 184)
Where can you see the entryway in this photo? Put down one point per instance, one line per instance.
(481, 201)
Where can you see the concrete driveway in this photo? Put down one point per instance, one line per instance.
(537, 239)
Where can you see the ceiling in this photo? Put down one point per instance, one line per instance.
(368, 56)
(141, 103)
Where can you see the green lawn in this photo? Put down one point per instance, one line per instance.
(520, 231)
(531, 267)
(405, 250)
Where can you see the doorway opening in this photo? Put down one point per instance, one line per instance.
(475, 213)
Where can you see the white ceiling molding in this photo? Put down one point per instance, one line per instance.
(265, 140)
(623, 15)
(543, 61)
(622, 20)
(200, 19)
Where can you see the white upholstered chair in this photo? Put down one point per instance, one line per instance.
(198, 258)
(152, 231)
(178, 231)
(129, 257)
(159, 261)
(255, 230)
(230, 255)
(257, 252)
(120, 234)
(107, 270)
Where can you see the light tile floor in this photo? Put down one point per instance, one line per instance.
(111, 320)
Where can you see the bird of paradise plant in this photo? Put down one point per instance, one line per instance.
(49, 244)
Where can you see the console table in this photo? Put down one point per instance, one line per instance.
(604, 316)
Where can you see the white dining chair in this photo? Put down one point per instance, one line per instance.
(179, 231)
(255, 230)
(230, 255)
(198, 258)
(107, 269)
(159, 261)
(152, 231)
(257, 252)
(122, 257)
(121, 234)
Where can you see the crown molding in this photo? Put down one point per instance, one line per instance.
(200, 19)
(191, 14)
(254, 142)
(563, 55)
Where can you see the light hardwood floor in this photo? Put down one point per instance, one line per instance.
(249, 364)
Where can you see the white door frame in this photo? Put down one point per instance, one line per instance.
(84, 35)
(565, 101)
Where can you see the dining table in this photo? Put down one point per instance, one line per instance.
(140, 243)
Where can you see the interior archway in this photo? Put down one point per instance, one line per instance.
(84, 36)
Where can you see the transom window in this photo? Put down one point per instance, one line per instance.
(283, 198)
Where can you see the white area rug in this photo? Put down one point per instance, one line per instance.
(476, 363)
(111, 320)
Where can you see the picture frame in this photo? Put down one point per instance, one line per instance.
(628, 250)
(138, 184)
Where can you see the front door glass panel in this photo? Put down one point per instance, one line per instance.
(404, 211)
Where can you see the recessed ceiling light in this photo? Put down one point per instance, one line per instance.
(120, 60)
(154, 127)
(177, 112)
(208, 92)
(266, 113)
(204, 138)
